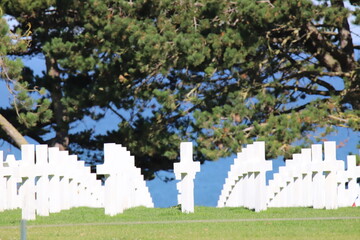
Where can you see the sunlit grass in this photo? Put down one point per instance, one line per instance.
(170, 223)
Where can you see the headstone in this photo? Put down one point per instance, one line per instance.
(111, 169)
(42, 185)
(262, 166)
(342, 193)
(330, 167)
(318, 177)
(28, 173)
(287, 186)
(236, 198)
(3, 190)
(55, 167)
(142, 194)
(248, 192)
(128, 175)
(12, 176)
(296, 172)
(352, 174)
(74, 168)
(249, 165)
(233, 187)
(64, 180)
(185, 171)
(305, 168)
(276, 191)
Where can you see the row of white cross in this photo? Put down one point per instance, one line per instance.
(125, 187)
(246, 182)
(48, 180)
(310, 179)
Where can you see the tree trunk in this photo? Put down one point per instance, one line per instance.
(12, 132)
(61, 139)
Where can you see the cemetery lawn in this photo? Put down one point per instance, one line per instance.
(205, 223)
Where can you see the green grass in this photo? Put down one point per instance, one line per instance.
(170, 223)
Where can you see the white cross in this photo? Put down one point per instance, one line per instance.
(318, 177)
(42, 185)
(185, 171)
(11, 168)
(28, 173)
(261, 167)
(352, 174)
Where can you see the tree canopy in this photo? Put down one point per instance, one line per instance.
(10, 72)
(219, 73)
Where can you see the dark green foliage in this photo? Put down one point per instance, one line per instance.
(30, 111)
(219, 73)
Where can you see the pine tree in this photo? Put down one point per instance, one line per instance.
(220, 73)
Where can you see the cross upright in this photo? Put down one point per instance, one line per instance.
(231, 194)
(286, 193)
(74, 173)
(27, 170)
(331, 166)
(87, 190)
(55, 175)
(185, 171)
(306, 177)
(3, 190)
(236, 197)
(232, 185)
(114, 184)
(352, 174)
(318, 178)
(261, 167)
(12, 175)
(42, 186)
(249, 166)
(246, 188)
(301, 169)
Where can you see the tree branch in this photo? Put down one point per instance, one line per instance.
(310, 91)
(116, 113)
(12, 132)
(339, 119)
(322, 49)
(345, 38)
(305, 73)
(268, 2)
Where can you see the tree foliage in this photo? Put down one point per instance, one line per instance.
(10, 71)
(219, 73)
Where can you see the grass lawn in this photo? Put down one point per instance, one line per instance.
(170, 223)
